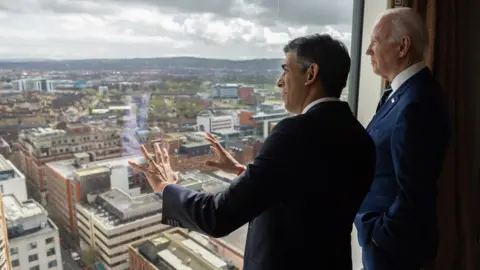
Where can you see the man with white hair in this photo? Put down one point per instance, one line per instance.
(397, 223)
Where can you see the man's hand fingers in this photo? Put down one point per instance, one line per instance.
(145, 153)
(158, 153)
(165, 155)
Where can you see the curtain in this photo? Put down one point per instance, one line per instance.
(451, 59)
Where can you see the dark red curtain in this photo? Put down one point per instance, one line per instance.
(452, 60)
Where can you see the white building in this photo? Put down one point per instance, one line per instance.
(228, 90)
(211, 121)
(37, 84)
(111, 221)
(5, 263)
(12, 181)
(267, 121)
(33, 238)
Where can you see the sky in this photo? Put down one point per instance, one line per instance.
(226, 29)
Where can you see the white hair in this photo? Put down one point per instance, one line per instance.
(407, 22)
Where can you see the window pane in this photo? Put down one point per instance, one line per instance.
(136, 72)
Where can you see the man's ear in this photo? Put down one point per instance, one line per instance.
(405, 44)
(311, 74)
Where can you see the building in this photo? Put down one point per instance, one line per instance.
(195, 144)
(210, 121)
(175, 249)
(226, 91)
(36, 84)
(33, 238)
(12, 181)
(265, 122)
(41, 145)
(5, 259)
(108, 222)
(69, 182)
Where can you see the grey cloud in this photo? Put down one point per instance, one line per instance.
(266, 12)
(59, 6)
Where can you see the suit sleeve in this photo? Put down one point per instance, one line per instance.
(418, 149)
(251, 193)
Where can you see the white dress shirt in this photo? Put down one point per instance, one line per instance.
(405, 75)
(315, 102)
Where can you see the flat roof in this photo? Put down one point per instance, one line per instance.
(67, 168)
(15, 210)
(226, 131)
(126, 207)
(174, 248)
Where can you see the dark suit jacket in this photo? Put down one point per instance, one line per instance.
(300, 194)
(411, 134)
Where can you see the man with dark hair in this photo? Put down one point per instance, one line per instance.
(302, 191)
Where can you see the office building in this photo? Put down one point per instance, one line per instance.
(33, 238)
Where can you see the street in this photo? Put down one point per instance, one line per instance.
(68, 262)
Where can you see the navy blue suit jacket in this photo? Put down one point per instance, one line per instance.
(411, 134)
(300, 194)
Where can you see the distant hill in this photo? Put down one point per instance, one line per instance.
(145, 63)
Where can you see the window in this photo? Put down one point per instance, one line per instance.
(15, 263)
(33, 257)
(14, 251)
(36, 267)
(52, 264)
(32, 245)
(167, 93)
(51, 251)
(49, 240)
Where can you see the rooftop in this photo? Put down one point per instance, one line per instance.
(175, 249)
(8, 170)
(68, 168)
(126, 207)
(226, 132)
(25, 218)
(115, 207)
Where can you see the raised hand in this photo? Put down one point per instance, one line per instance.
(225, 161)
(158, 171)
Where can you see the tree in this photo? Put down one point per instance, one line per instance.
(90, 256)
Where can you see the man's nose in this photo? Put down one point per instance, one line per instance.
(280, 82)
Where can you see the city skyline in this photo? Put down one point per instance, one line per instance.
(227, 29)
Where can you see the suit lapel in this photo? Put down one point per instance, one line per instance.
(386, 108)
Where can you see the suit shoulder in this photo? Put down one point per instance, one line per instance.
(288, 124)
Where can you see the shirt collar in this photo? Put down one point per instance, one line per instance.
(309, 106)
(406, 74)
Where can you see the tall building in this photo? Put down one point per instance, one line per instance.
(108, 222)
(69, 182)
(41, 145)
(33, 238)
(12, 181)
(5, 261)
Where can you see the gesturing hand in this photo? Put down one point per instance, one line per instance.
(158, 171)
(225, 161)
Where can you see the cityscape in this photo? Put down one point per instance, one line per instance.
(67, 135)
(84, 85)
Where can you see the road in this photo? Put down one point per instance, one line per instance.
(68, 262)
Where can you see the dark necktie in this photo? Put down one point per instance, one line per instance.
(384, 97)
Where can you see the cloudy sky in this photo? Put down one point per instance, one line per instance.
(234, 29)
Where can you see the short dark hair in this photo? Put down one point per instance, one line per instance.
(331, 56)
